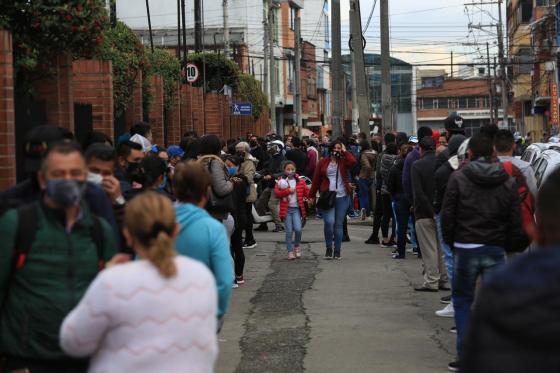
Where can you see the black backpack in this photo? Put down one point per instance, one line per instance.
(27, 229)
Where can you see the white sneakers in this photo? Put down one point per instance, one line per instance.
(447, 311)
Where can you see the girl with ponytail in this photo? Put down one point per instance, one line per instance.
(162, 302)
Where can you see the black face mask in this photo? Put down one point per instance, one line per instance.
(133, 172)
(253, 144)
(336, 154)
(240, 154)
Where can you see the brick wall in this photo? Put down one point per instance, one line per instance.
(93, 84)
(173, 118)
(7, 118)
(156, 110)
(134, 112)
(192, 109)
(57, 91)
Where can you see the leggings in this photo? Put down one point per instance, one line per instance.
(237, 251)
(249, 225)
(387, 208)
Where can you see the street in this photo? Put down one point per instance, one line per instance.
(359, 314)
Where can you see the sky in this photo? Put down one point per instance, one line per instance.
(425, 32)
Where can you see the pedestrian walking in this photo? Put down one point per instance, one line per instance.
(202, 237)
(481, 220)
(156, 314)
(368, 160)
(292, 190)
(248, 169)
(51, 250)
(332, 181)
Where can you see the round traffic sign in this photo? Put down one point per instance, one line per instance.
(192, 73)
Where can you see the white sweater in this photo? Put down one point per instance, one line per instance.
(131, 319)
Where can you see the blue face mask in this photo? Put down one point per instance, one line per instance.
(65, 193)
(290, 173)
(232, 170)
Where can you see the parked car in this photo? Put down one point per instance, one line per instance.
(533, 151)
(548, 161)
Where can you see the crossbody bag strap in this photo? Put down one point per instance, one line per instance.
(337, 170)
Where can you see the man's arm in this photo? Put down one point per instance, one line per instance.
(449, 209)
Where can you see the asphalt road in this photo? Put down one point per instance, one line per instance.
(359, 314)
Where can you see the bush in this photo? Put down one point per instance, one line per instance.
(247, 88)
(123, 47)
(168, 66)
(219, 70)
(43, 29)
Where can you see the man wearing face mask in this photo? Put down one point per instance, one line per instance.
(46, 269)
(248, 169)
(129, 156)
(271, 171)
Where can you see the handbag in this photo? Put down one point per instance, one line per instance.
(327, 200)
(219, 204)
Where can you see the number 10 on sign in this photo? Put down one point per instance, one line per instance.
(192, 73)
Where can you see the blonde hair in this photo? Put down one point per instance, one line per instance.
(150, 219)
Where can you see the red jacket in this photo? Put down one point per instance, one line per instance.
(321, 180)
(283, 194)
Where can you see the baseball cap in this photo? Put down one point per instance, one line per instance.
(454, 124)
(175, 151)
(38, 140)
(413, 139)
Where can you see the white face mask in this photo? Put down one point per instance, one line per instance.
(94, 178)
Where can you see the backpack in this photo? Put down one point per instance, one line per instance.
(527, 203)
(27, 229)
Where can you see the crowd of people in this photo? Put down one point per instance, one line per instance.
(113, 253)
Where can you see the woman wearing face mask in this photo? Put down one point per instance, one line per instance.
(162, 302)
(332, 181)
(153, 170)
(292, 191)
(239, 195)
(248, 169)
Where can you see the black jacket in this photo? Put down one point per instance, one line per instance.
(239, 195)
(273, 167)
(514, 327)
(387, 162)
(423, 186)
(443, 173)
(481, 206)
(394, 184)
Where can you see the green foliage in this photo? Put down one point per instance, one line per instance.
(43, 29)
(123, 47)
(219, 70)
(249, 89)
(168, 66)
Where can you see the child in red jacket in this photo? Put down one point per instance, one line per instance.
(292, 191)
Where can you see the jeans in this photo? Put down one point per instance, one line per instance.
(293, 224)
(469, 265)
(402, 209)
(412, 230)
(364, 192)
(333, 221)
(447, 253)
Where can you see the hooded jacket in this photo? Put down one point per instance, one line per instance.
(514, 327)
(423, 186)
(248, 169)
(283, 194)
(387, 162)
(445, 170)
(368, 161)
(205, 239)
(481, 206)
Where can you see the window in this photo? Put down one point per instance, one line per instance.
(435, 104)
(327, 30)
(524, 11)
(427, 103)
(462, 103)
(472, 102)
(292, 18)
(540, 168)
(523, 62)
(432, 82)
(451, 103)
(545, 2)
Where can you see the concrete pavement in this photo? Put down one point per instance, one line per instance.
(359, 314)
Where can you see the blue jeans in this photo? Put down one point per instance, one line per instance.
(412, 230)
(364, 192)
(293, 224)
(447, 253)
(334, 219)
(469, 265)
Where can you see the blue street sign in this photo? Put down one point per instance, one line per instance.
(242, 108)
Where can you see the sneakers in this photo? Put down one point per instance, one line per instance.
(372, 241)
(337, 256)
(453, 366)
(453, 330)
(291, 255)
(447, 311)
(390, 243)
(250, 245)
(446, 299)
(297, 252)
(234, 286)
(239, 280)
(363, 214)
(278, 229)
(328, 253)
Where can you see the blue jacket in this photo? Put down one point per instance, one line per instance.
(412, 157)
(203, 238)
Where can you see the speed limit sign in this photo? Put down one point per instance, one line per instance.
(192, 73)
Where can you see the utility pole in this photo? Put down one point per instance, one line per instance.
(265, 55)
(452, 64)
(386, 106)
(113, 12)
(490, 89)
(297, 53)
(359, 81)
(197, 25)
(336, 71)
(226, 28)
(179, 30)
(495, 104)
(150, 25)
(184, 18)
(272, 68)
(503, 74)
